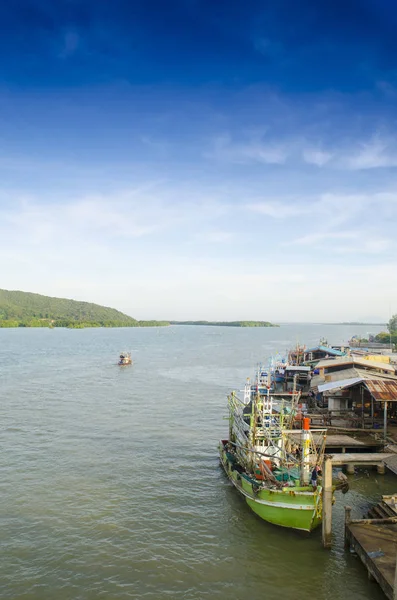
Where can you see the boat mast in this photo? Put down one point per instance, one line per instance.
(305, 462)
(247, 392)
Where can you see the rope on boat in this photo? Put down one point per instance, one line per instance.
(264, 465)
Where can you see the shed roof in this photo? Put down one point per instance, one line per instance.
(354, 361)
(346, 374)
(343, 383)
(327, 349)
(382, 389)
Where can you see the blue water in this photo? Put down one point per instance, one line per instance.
(110, 481)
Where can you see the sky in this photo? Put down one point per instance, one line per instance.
(193, 159)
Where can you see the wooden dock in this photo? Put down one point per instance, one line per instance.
(391, 462)
(348, 441)
(361, 459)
(375, 542)
(345, 443)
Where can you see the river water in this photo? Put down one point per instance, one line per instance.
(111, 486)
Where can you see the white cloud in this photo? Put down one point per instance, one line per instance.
(372, 155)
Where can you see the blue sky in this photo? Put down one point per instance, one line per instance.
(194, 159)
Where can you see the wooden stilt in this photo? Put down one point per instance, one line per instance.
(395, 583)
(327, 503)
(348, 512)
(381, 468)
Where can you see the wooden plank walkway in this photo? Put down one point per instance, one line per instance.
(342, 440)
(391, 463)
(347, 441)
(376, 545)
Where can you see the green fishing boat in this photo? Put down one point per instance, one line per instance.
(271, 463)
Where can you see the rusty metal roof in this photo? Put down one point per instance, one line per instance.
(382, 389)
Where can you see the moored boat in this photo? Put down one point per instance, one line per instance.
(274, 466)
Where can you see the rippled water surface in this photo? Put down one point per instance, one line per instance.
(111, 486)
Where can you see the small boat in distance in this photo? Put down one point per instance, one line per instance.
(125, 359)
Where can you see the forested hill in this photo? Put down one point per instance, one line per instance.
(23, 309)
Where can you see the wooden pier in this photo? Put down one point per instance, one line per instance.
(348, 443)
(360, 459)
(375, 542)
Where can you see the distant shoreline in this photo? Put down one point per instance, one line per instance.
(226, 323)
(357, 323)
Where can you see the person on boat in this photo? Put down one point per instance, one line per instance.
(297, 452)
(315, 476)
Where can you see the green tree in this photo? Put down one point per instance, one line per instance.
(392, 325)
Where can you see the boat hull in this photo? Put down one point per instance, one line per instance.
(292, 507)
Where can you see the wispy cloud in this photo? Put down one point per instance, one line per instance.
(317, 157)
(160, 146)
(334, 209)
(243, 152)
(280, 149)
(314, 239)
(125, 215)
(367, 244)
(279, 210)
(215, 237)
(374, 154)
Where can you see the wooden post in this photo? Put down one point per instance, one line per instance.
(381, 468)
(350, 468)
(362, 406)
(395, 583)
(327, 502)
(385, 420)
(348, 512)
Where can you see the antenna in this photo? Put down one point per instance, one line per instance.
(391, 347)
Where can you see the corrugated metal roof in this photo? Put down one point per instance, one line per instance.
(382, 389)
(328, 350)
(352, 373)
(344, 383)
